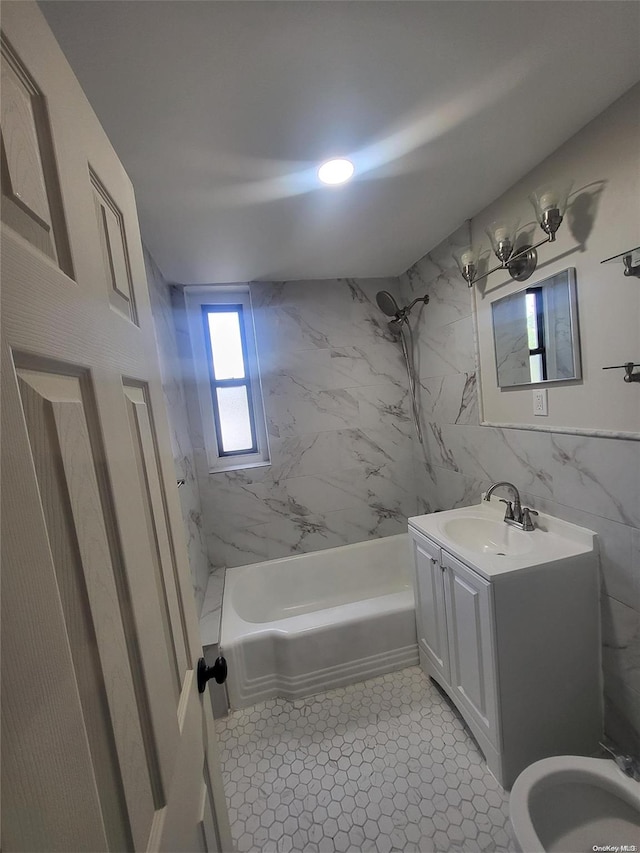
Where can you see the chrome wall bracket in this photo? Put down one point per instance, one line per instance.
(523, 263)
(628, 366)
(630, 259)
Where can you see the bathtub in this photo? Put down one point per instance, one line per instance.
(295, 626)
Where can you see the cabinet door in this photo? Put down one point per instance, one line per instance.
(471, 644)
(430, 606)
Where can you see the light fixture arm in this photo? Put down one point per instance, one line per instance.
(550, 204)
(521, 254)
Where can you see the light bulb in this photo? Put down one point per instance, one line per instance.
(467, 259)
(502, 235)
(548, 201)
(336, 171)
(550, 197)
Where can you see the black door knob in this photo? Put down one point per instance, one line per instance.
(217, 671)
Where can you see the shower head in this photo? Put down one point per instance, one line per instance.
(395, 325)
(387, 304)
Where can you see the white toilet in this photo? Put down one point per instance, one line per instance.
(570, 803)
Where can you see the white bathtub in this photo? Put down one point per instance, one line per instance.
(294, 626)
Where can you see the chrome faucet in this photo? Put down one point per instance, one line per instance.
(515, 513)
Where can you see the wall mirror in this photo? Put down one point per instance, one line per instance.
(535, 333)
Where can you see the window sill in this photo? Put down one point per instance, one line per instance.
(239, 466)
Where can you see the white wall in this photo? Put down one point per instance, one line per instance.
(603, 219)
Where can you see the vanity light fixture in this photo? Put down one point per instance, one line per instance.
(336, 171)
(550, 204)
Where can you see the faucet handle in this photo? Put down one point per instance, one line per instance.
(508, 513)
(527, 523)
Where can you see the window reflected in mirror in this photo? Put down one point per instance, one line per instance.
(535, 333)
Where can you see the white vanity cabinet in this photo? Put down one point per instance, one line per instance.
(518, 652)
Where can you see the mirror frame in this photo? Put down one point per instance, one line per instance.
(570, 273)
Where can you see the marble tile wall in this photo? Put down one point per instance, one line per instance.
(594, 482)
(337, 408)
(170, 371)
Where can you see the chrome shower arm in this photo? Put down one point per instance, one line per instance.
(424, 299)
(404, 312)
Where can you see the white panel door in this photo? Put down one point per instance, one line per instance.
(107, 744)
(471, 643)
(430, 606)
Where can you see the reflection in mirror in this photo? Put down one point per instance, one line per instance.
(535, 333)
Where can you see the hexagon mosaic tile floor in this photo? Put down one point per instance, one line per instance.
(383, 765)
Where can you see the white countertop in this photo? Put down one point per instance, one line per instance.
(552, 540)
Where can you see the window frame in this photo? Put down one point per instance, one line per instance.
(541, 349)
(199, 301)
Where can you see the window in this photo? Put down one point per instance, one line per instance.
(227, 378)
(535, 332)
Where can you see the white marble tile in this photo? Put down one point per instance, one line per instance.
(449, 296)
(622, 714)
(342, 489)
(312, 494)
(621, 642)
(323, 314)
(444, 350)
(233, 504)
(379, 518)
(386, 405)
(312, 370)
(308, 453)
(211, 615)
(320, 344)
(369, 364)
(488, 455)
(237, 546)
(450, 399)
(600, 476)
(308, 370)
(369, 323)
(301, 534)
(317, 411)
(375, 446)
(620, 579)
(441, 488)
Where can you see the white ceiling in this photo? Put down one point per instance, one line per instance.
(221, 112)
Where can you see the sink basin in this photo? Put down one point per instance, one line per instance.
(487, 536)
(479, 536)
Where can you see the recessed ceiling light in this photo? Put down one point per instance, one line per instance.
(335, 171)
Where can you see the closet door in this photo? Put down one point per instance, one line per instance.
(107, 744)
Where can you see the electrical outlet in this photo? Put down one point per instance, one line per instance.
(540, 406)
